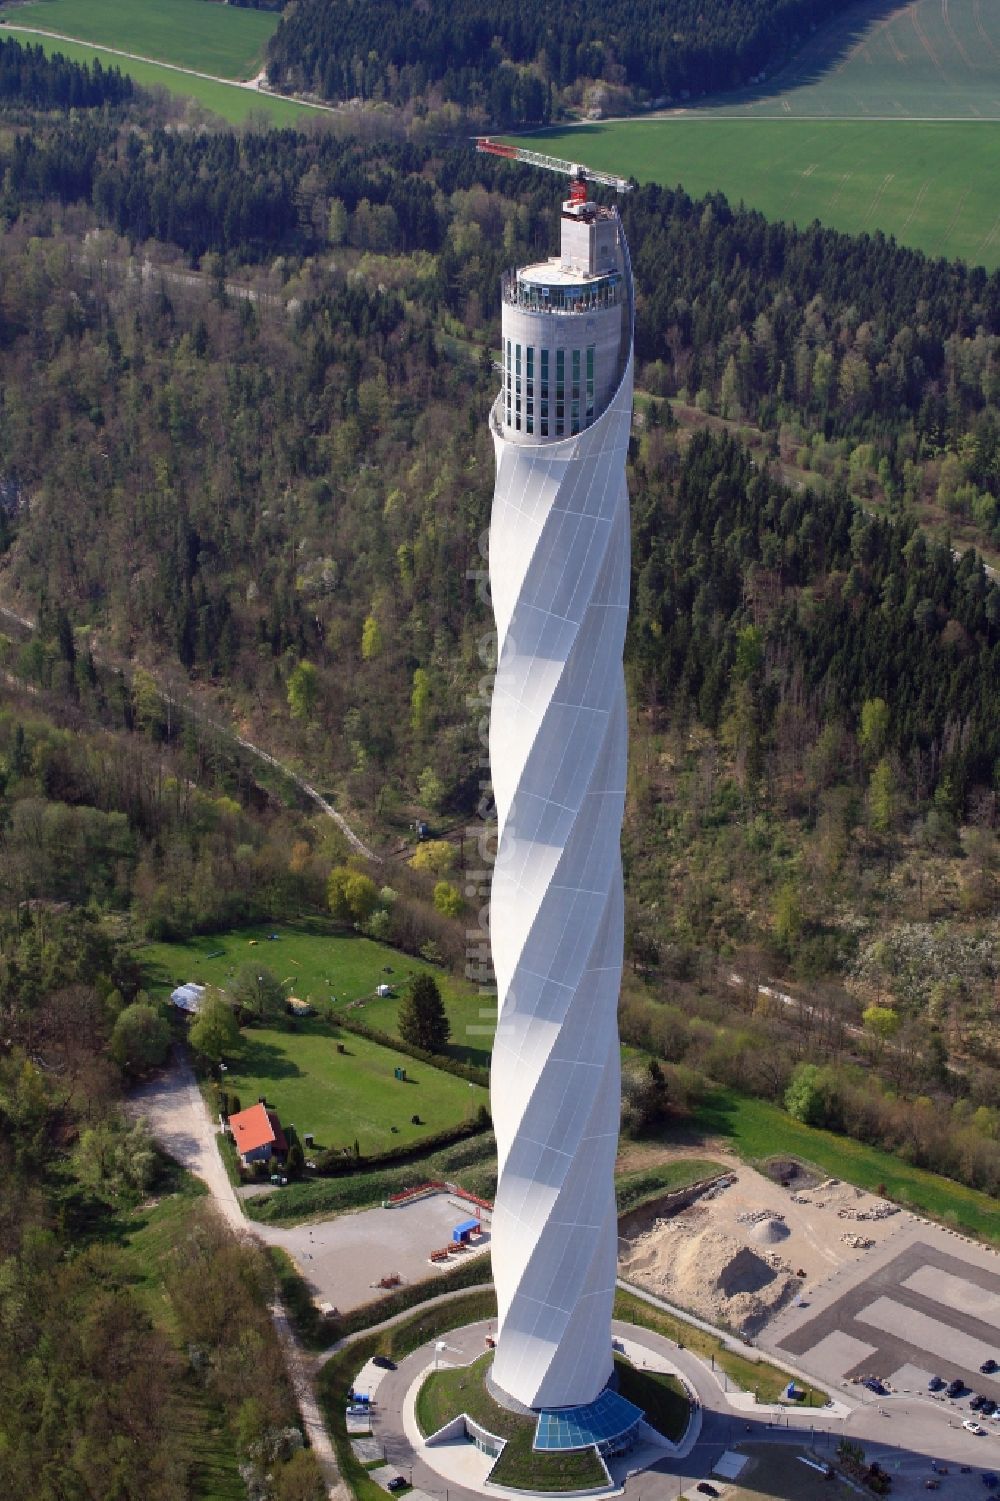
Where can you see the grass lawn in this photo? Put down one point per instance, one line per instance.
(447, 1393)
(222, 39)
(343, 1097)
(632, 1190)
(662, 1398)
(228, 100)
(934, 185)
(768, 1381)
(776, 1470)
(760, 1130)
(146, 1239)
(319, 960)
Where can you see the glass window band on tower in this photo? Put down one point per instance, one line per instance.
(529, 391)
(560, 392)
(544, 394)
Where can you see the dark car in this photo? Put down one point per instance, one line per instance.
(875, 1386)
(976, 1404)
(989, 1366)
(987, 1407)
(397, 1483)
(384, 1362)
(954, 1387)
(936, 1383)
(704, 1489)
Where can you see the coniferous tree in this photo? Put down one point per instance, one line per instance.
(423, 1021)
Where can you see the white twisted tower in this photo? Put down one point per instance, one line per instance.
(559, 575)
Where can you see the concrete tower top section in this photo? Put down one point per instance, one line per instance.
(566, 330)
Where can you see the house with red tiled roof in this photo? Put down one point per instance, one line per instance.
(258, 1135)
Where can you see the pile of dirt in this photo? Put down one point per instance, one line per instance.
(711, 1274)
(769, 1232)
(789, 1173)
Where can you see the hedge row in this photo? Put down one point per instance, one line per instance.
(447, 1065)
(331, 1164)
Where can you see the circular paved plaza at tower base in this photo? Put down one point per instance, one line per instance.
(906, 1432)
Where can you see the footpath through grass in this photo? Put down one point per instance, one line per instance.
(232, 103)
(759, 1130)
(223, 39)
(934, 185)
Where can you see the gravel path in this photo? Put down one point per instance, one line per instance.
(179, 1119)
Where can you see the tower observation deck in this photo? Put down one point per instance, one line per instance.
(559, 574)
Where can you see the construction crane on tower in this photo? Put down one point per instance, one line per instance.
(578, 175)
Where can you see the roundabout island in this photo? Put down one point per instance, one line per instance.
(438, 1422)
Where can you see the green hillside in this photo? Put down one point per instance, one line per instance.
(222, 39)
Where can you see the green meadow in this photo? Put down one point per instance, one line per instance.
(222, 39)
(922, 60)
(327, 965)
(934, 185)
(232, 103)
(351, 1096)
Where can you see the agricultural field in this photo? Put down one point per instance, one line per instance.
(935, 186)
(887, 119)
(230, 101)
(224, 40)
(351, 1096)
(921, 60)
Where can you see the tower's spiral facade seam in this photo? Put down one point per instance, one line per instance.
(559, 573)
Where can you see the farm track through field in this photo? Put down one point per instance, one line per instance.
(252, 84)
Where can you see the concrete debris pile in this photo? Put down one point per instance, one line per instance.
(881, 1210)
(858, 1242)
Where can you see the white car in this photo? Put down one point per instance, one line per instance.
(971, 1426)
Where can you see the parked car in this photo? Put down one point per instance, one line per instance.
(976, 1403)
(397, 1483)
(971, 1426)
(936, 1383)
(704, 1489)
(989, 1366)
(383, 1362)
(987, 1407)
(876, 1386)
(954, 1387)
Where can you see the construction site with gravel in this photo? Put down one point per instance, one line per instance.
(754, 1243)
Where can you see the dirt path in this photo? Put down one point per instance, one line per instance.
(179, 1119)
(186, 707)
(255, 84)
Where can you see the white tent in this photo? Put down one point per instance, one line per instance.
(188, 997)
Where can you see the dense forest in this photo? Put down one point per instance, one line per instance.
(244, 463)
(508, 62)
(27, 76)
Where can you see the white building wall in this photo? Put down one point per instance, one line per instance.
(554, 333)
(559, 571)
